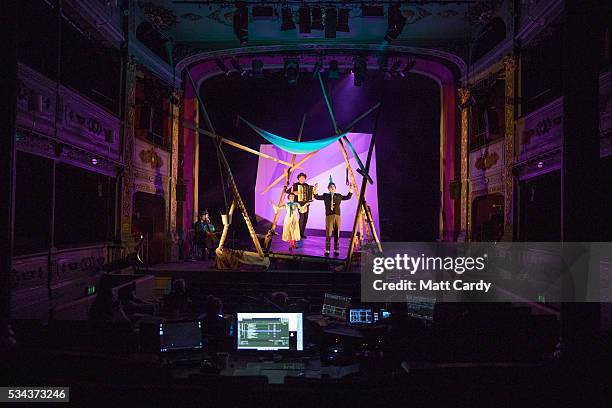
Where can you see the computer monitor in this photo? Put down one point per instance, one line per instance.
(360, 316)
(270, 331)
(335, 306)
(183, 335)
(420, 307)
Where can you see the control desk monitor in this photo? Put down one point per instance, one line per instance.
(360, 316)
(420, 307)
(182, 335)
(336, 306)
(270, 331)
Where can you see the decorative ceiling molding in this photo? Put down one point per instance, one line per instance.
(373, 49)
(544, 14)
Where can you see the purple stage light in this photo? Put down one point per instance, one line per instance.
(540, 164)
(326, 162)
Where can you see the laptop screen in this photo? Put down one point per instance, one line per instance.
(185, 335)
(335, 306)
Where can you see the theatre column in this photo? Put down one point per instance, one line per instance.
(127, 191)
(581, 196)
(510, 130)
(172, 238)
(8, 96)
(464, 96)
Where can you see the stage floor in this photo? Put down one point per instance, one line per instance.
(312, 246)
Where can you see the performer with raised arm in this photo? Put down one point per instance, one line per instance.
(332, 202)
(303, 192)
(291, 224)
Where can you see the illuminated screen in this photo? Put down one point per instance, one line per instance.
(360, 316)
(270, 331)
(420, 307)
(325, 162)
(180, 336)
(335, 306)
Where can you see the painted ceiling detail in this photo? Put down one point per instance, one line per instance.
(197, 28)
(161, 17)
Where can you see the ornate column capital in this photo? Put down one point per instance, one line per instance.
(464, 94)
(509, 62)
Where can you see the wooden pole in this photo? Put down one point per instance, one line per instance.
(353, 183)
(226, 226)
(364, 183)
(279, 178)
(235, 144)
(268, 240)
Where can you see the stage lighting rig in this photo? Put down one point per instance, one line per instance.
(317, 18)
(304, 14)
(292, 70)
(236, 65)
(331, 22)
(241, 23)
(360, 67)
(222, 66)
(409, 66)
(395, 23)
(257, 68)
(318, 67)
(287, 19)
(333, 71)
(343, 20)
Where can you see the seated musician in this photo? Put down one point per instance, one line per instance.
(205, 238)
(304, 194)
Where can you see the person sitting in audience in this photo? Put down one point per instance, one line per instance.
(105, 307)
(280, 300)
(213, 320)
(134, 305)
(177, 301)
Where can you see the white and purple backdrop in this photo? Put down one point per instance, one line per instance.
(326, 162)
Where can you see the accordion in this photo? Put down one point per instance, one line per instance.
(304, 192)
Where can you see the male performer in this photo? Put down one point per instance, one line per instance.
(332, 202)
(303, 193)
(204, 239)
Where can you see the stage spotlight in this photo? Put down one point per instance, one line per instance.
(396, 66)
(395, 23)
(222, 66)
(292, 70)
(257, 68)
(343, 20)
(304, 13)
(287, 16)
(317, 18)
(331, 21)
(333, 72)
(317, 68)
(382, 63)
(360, 68)
(409, 66)
(241, 23)
(236, 65)
(262, 13)
(372, 10)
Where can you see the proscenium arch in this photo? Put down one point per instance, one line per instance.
(443, 68)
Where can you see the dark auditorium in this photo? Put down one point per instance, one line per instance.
(306, 203)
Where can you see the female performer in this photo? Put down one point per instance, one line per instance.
(291, 225)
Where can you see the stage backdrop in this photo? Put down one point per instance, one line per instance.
(325, 162)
